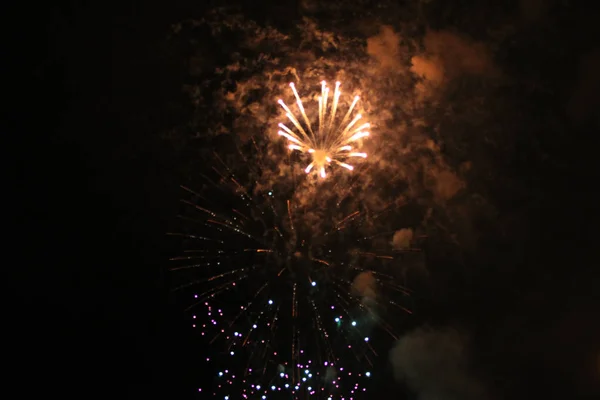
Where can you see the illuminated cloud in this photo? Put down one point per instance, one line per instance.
(385, 48)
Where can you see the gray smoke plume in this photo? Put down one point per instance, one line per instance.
(435, 365)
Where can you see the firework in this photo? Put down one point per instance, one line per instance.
(289, 307)
(333, 140)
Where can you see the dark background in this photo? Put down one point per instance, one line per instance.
(95, 193)
(95, 197)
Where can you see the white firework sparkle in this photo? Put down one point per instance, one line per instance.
(333, 140)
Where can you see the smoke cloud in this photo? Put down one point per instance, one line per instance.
(364, 285)
(402, 239)
(245, 91)
(385, 48)
(447, 56)
(435, 365)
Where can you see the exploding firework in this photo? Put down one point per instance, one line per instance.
(333, 140)
(291, 295)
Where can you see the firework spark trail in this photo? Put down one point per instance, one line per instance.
(355, 213)
(352, 348)
(331, 143)
(387, 282)
(189, 266)
(345, 310)
(406, 310)
(345, 190)
(188, 236)
(320, 261)
(349, 218)
(194, 257)
(255, 211)
(211, 292)
(382, 322)
(294, 350)
(289, 208)
(323, 332)
(212, 278)
(374, 255)
(223, 221)
(247, 307)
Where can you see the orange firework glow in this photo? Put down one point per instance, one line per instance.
(333, 140)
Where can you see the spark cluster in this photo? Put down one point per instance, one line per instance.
(306, 379)
(332, 141)
(289, 292)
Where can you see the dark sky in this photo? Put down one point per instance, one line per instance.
(95, 315)
(96, 192)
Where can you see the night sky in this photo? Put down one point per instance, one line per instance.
(96, 86)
